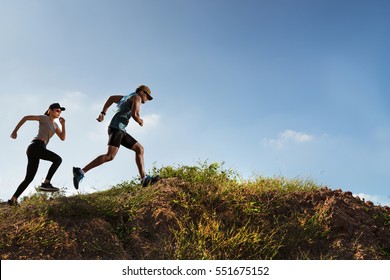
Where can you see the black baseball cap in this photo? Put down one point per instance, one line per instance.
(54, 106)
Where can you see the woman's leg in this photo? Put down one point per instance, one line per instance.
(32, 168)
(56, 162)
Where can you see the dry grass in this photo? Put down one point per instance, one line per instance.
(198, 212)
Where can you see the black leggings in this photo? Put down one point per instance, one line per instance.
(36, 151)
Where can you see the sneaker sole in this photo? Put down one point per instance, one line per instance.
(48, 190)
(152, 181)
(75, 181)
(75, 184)
(155, 179)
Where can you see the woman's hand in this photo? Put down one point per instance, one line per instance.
(62, 121)
(14, 134)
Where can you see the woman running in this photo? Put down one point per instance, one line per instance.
(37, 149)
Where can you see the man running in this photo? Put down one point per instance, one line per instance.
(128, 106)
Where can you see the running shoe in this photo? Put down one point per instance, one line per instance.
(12, 202)
(77, 177)
(148, 180)
(47, 187)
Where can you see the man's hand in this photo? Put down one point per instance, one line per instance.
(100, 118)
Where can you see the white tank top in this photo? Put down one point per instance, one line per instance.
(47, 128)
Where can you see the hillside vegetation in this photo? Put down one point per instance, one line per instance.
(198, 212)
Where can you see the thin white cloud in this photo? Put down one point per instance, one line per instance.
(151, 120)
(296, 136)
(376, 199)
(286, 137)
(74, 100)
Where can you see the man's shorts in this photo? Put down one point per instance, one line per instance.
(118, 137)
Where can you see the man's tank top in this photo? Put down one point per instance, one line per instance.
(121, 119)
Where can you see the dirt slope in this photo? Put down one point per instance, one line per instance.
(350, 228)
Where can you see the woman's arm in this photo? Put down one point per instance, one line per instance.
(61, 132)
(14, 133)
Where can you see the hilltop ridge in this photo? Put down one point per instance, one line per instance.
(198, 212)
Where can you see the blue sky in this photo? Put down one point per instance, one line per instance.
(274, 88)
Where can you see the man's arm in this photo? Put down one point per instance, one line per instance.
(111, 100)
(135, 110)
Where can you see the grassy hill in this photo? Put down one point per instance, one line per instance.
(198, 212)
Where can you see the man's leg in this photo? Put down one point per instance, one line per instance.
(139, 158)
(110, 155)
(146, 180)
(129, 142)
(78, 173)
